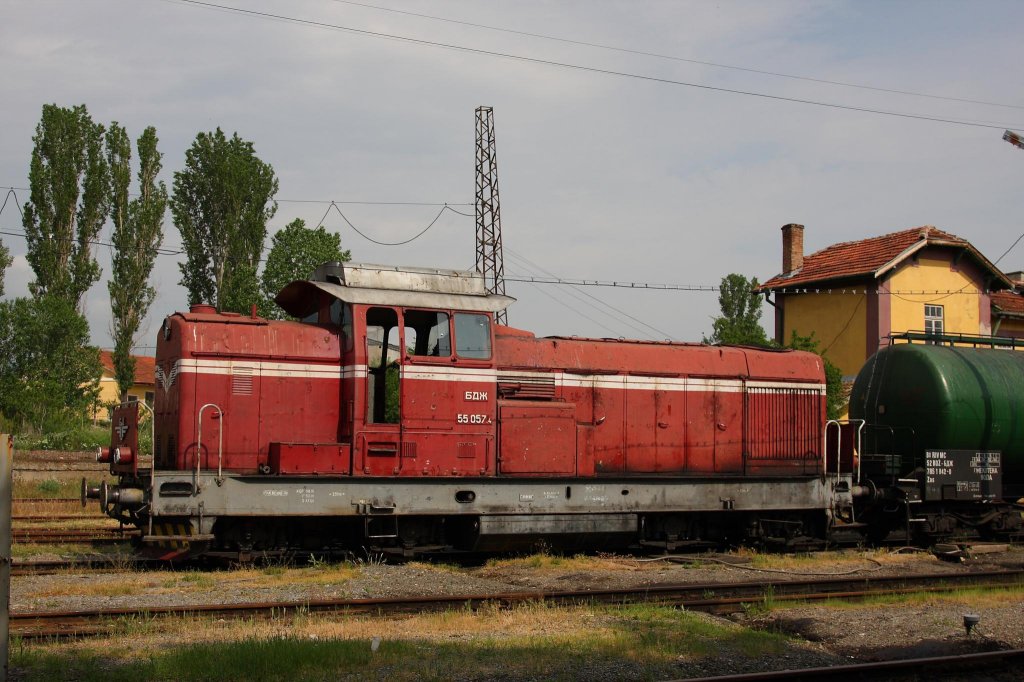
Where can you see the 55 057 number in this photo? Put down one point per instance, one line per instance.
(473, 419)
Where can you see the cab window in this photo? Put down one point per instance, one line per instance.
(427, 333)
(472, 336)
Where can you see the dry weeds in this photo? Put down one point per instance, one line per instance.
(195, 583)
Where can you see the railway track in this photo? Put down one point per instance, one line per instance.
(30, 536)
(57, 517)
(708, 597)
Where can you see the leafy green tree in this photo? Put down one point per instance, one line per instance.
(5, 262)
(295, 252)
(138, 233)
(740, 321)
(48, 372)
(835, 392)
(68, 198)
(221, 203)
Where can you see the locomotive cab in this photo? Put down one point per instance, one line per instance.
(418, 366)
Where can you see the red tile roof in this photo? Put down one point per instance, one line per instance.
(1008, 303)
(145, 367)
(860, 258)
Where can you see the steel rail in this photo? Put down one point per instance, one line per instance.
(57, 517)
(933, 667)
(30, 536)
(699, 597)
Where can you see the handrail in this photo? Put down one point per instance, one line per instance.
(857, 446)
(839, 446)
(199, 442)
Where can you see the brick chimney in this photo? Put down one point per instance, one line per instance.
(792, 248)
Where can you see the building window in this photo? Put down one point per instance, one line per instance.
(133, 398)
(150, 396)
(933, 319)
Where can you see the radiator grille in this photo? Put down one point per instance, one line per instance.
(784, 423)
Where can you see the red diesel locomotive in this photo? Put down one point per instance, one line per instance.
(396, 416)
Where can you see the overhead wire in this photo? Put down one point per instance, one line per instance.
(676, 58)
(577, 297)
(619, 311)
(378, 242)
(578, 312)
(581, 67)
(320, 201)
(554, 279)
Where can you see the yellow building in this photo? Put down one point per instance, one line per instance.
(853, 295)
(143, 389)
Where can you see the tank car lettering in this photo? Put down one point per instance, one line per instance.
(525, 497)
(552, 495)
(275, 493)
(306, 495)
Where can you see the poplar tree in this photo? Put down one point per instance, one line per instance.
(221, 203)
(5, 262)
(68, 199)
(137, 235)
(740, 321)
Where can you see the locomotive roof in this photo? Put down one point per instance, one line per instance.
(392, 286)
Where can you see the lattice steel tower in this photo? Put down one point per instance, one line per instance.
(488, 209)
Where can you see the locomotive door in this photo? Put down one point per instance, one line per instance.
(714, 426)
(654, 427)
(378, 441)
(447, 394)
(728, 427)
(427, 391)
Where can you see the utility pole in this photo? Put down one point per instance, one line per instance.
(489, 261)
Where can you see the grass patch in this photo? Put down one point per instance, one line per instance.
(20, 551)
(577, 562)
(826, 561)
(85, 437)
(203, 585)
(50, 488)
(530, 642)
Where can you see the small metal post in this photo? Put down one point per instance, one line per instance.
(6, 469)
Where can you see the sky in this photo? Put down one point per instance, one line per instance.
(661, 176)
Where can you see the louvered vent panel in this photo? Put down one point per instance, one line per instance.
(241, 380)
(526, 387)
